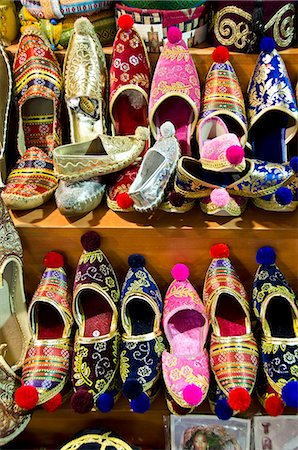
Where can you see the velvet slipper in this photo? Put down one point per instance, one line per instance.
(95, 374)
(186, 366)
(276, 308)
(233, 349)
(47, 362)
(142, 339)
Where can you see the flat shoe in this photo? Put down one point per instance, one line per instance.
(6, 84)
(233, 207)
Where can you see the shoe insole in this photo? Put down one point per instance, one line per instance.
(186, 328)
(230, 316)
(153, 161)
(280, 316)
(97, 314)
(130, 112)
(268, 137)
(141, 316)
(180, 113)
(38, 117)
(10, 332)
(48, 322)
(195, 169)
(86, 118)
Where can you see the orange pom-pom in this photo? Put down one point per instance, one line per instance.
(274, 405)
(239, 399)
(125, 22)
(53, 260)
(124, 201)
(26, 397)
(54, 403)
(221, 54)
(219, 251)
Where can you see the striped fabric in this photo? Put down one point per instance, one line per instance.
(57, 9)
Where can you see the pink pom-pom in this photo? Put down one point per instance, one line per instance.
(220, 197)
(235, 154)
(174, 35)
(192, 394)
(180, 272)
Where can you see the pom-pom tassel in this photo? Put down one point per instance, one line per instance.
(26, 397)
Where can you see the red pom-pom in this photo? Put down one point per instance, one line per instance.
(239, 399)
(125, 22)
(54, 403)
(26, 397)
(221, 54)
(274, 405)
(235, 154)
(180, 272)
(124, 201)
(90, 241)
(192, 394)
(53, 260)
(219, 251)
(82, 401)
(174, 35)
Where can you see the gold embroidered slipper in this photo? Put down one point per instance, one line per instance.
(95, 374)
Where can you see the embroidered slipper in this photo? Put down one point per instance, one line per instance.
(38, 87)
(219, 150)
(85, 76)
(6, 84)
(272, 108)
(32, 181)
(100, 156)
(154, 174)
(223, 96)
(258, 179)
(276, 308)
(186, 367)
(46, 367)
(174, 202)
(96, 351)
(78, 199)
(220, 203)
(142, 339)
(233, 349)
(175, 91)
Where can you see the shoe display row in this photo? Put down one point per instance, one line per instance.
(234, 161)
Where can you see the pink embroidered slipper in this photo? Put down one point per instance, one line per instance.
(175, 91)
(220, 150)
(186, 367)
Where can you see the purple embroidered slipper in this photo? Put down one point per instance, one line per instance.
(142, 339)
(96, 351)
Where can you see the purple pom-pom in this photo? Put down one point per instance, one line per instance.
(82, 401)
(90, 241)
(267, 44)
(266, 256)
(135, 261)
(105, 402)
(140, 404)
(223, 409)
(290, 393)
(294, 163)
(284, 196)
(132, 388)
(176, 199)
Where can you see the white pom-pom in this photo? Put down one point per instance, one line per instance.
(167, 129)
(142, 133)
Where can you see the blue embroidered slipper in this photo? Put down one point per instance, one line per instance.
(95, 374)
(276, 307)
(142, 339)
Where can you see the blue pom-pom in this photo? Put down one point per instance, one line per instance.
(290, 394)
(54, 21)
(140, 404)
(223, 409)
(294, 163)
(105, 402)
(267, 44)
(266, 256)
(136, 261)
(53, 46)
(132, 388)
(283, 196)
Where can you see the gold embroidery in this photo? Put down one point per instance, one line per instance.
(105, 440)
(228, 32)
(283, 29)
